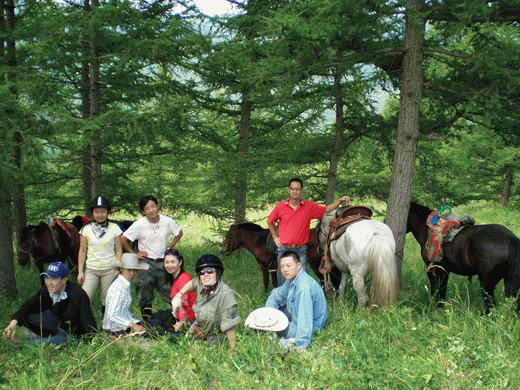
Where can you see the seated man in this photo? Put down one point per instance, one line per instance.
(302, 299)
(58, 310)
(118, 319)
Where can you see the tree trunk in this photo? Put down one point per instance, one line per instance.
(96, 148)
(86, 173)
(508, 183)
(92, 152)
(8, 55)
(407, 130)
(7, 279)
(20, 212)
(243, 152)
(338, 147)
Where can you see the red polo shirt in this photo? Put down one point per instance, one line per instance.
(294, 225)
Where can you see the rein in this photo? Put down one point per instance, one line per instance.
(31, 246)
(233, 238)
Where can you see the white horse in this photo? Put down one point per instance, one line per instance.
(367, 246)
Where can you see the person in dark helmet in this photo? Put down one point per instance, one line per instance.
(100, 249)
(215, 308)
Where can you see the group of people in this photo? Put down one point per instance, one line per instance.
(205, 306)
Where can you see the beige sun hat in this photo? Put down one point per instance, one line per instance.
(267, 318)
(131, 261)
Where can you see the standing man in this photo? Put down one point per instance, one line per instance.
(302, 299)
(152, 233)
(294, 222)
(59, 310)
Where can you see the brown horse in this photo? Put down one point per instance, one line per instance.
(39, 242)
(255, 239)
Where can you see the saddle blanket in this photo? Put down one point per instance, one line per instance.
(440, 226)
(52, 222)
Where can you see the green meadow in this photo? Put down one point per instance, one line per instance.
(408, 346)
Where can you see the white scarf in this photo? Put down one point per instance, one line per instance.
(58, 297)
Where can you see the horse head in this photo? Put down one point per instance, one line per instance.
(416, 222)
(26, 244)
(235, 236)
(229, 241)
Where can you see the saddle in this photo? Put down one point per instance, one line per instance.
(271, 246)
(443, 228)
(53, 226)
(345, 216)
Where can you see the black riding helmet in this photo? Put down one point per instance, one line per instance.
(100, 201)
(209, 261)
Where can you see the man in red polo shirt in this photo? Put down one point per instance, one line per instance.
(294, 222)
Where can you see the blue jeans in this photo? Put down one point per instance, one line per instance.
(302, 253)
(48, 324)
(60, 338)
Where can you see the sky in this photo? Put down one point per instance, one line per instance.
(213, 7)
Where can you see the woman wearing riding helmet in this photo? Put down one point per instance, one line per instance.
(215, 308)
(100, 247)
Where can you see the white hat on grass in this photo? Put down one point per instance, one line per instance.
(267, 318)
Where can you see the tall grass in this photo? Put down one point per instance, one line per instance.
(409, 346)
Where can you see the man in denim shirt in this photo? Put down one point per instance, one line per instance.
(302, 299)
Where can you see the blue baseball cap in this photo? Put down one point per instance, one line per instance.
(56, 270)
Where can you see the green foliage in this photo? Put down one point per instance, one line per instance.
(408, 346)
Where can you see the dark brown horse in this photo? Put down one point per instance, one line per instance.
(254, 238)
(45, 246)
(490, 251)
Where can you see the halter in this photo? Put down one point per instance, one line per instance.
(32, 244)
(233, 238)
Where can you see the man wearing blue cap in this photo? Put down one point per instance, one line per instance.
(58, 310)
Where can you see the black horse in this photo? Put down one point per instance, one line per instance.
(490, 251)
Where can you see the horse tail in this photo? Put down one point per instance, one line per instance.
(383, 268)
(512, 280)
(74, 244)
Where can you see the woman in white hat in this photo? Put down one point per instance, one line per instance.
(118, 319)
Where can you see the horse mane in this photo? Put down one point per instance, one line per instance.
(249, 226)
(24, 233)
(419, 209)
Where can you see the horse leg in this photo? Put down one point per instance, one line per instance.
(511, 288)
(265, 274)
(488, 284)
(438, 285)
(39, 265)
(273, 270)
(359, 286)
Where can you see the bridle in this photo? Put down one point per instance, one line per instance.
(32, 245)
(235, 227)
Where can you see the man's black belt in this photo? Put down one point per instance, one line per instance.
(294, 246)
(155, 260)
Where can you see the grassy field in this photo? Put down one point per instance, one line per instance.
(409, 346)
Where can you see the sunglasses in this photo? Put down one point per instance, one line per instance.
(210, 271)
